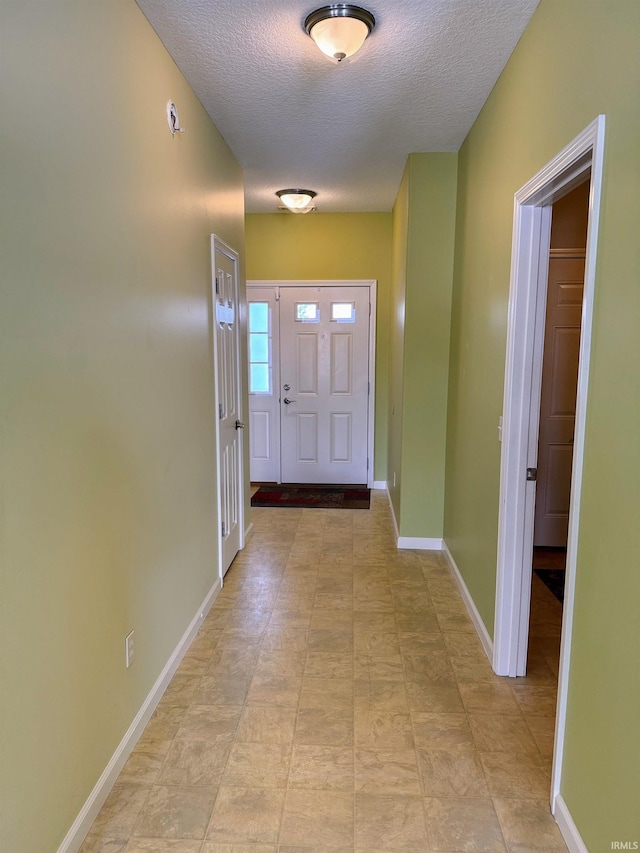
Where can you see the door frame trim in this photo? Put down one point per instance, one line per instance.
(372, 284)
(219, 245)
(523, 373)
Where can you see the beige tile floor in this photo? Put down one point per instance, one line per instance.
(337, 700)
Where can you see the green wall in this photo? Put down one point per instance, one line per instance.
(396, 343)
(332, 246)
(577, 58)
(107, 518)
(423, 250)
(106, 407)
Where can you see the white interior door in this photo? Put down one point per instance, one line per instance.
(558, 400)
(324, 384)
(228, 401)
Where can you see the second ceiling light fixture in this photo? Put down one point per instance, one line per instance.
(339, 30)
(297, 200)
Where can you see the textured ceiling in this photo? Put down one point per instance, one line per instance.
(293, 118)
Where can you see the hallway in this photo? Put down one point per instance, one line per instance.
(337, 699)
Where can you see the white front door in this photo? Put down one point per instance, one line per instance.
(558, 400)
(324, 384)
(228, 401)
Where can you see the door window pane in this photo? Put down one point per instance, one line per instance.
(259, 379)
(307, 312)
(259, 316)
(343, 312)
(258, 347)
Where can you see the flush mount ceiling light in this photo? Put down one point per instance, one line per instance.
(339, 30)
(297, 201)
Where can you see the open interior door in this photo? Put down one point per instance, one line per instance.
(228, 402)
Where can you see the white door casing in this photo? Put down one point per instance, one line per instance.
(558, 398)
(228, 399)
(580, 159)
(341, 352)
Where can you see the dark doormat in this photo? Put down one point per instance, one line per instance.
(315, 497)
(553, 579)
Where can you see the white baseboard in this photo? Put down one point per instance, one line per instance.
(469, 603)
(380, 484)
(247, 533)
(82, 824)
(396, 531)
(567, 827)
(419, 543)
(415, 543)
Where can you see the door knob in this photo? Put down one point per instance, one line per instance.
(286, 401)
(287, 387)
(239, 425)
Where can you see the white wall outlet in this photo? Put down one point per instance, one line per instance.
(129, 649)
(394, 479)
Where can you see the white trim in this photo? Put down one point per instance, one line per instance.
(371, 412)
(380, 484)
(531, 237)
(517, 497)
(396, 532)
(597, 160)
(311, 282)
(567, 827)
(472, 610)
(372, 284)
(82, 824)
(247, 533)
(523, 375)
(419, 543)
(412, 543)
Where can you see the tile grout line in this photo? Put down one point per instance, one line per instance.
(295, 727)
(248, 572)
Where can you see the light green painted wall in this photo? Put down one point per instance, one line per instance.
(332, 246)
(424, 228)
(396, 344)
(107, 519)
(577, 58)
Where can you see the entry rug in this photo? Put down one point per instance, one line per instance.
(313, 497)
(553, 579)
